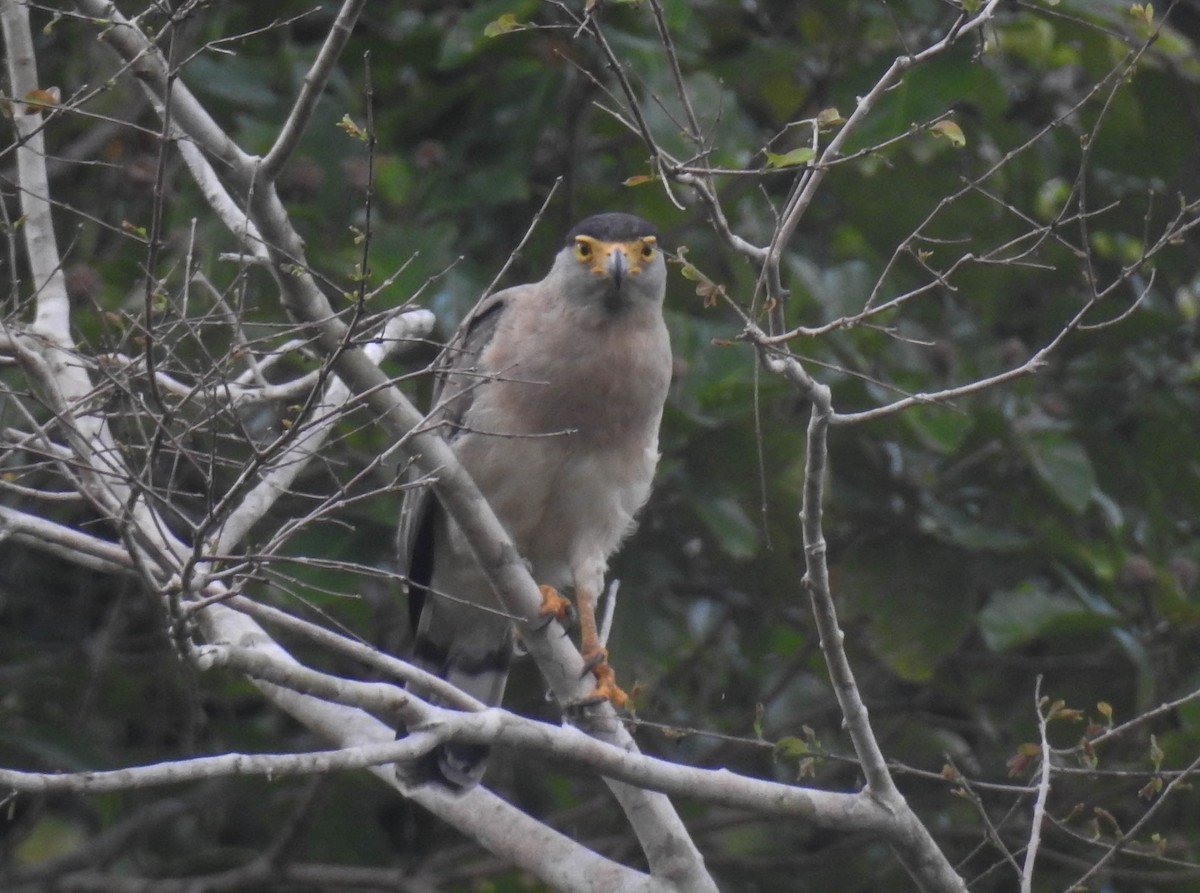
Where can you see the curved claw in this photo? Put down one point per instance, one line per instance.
(596, 663)
(555, 607)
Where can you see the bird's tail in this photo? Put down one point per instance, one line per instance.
(473, 653)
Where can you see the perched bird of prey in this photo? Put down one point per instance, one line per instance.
(550, 394)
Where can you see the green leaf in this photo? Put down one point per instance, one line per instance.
(1063, 467)
(791, 748)
(949, 525)
(1015, 618)
(938, 427)
(49, 838)
(734, 531)
(1142, 12)
(912, 594)
(504, 24)
(829, 117)
(947, 129)
(470, 35)
(803, 155)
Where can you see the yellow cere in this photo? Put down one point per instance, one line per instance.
(595, 253)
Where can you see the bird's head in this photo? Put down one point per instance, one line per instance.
(612, 260)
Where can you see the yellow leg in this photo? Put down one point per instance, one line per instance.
(596, 656)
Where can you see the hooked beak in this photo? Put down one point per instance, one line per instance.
(617, 266)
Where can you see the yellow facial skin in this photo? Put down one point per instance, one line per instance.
(615, 259)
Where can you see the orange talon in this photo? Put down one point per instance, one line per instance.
(554, 605)
(606, 681)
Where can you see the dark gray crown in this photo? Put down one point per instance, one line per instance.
(612, 226)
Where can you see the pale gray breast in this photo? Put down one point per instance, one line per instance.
(606, 383)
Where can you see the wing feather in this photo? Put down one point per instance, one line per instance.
(457, 376)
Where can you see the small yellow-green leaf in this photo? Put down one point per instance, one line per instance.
(347, 124)
(803, 155)
(950, 131)
(1156, 753)
(829, 117)
(1143, 12)
(504, 24)
(1105, 709)
(791, 748)
(686, 267)
(49, 838)
(638, 179)
(1151, 789)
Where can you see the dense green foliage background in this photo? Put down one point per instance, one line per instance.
(1047, 527)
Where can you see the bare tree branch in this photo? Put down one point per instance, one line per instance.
(314, 84)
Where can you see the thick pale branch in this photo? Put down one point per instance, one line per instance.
(368, 656)
(53, 308)
(503, 829)
(65, 542)
(47, 353)
(564, 744)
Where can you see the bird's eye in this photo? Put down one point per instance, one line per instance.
(648, 248)
(583, 250)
